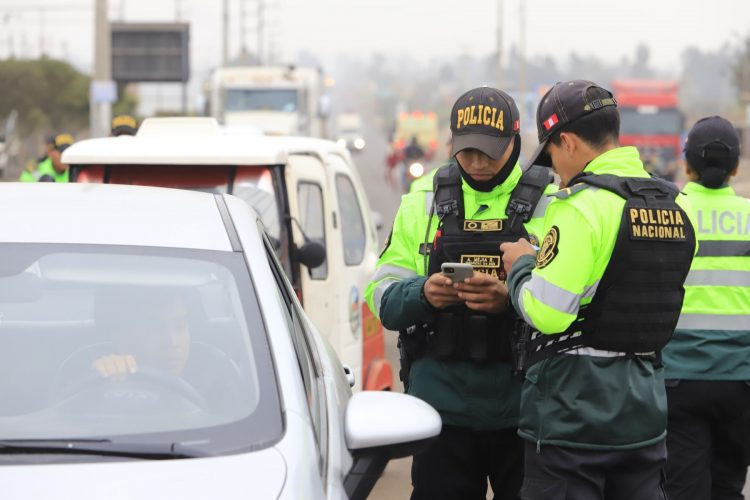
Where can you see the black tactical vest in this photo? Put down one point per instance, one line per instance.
(459, 332)
(639, 298)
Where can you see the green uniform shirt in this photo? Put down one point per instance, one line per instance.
(465, 394)
(585, 398)
(44, 168)
(712, 341)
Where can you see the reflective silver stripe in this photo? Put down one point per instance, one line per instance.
(429, 196)
(714, 248)
(730, 322)
(377, 294)
(718, 278)
(590, 351)
(541, 207)
(558, 298)
(389, 271)
(525, 315)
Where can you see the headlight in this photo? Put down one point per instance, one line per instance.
(359, 143)
(341, 143)
(416, 170)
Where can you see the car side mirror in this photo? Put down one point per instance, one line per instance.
(312, 254)
(380, 426)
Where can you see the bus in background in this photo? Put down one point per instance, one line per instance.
(651, 121)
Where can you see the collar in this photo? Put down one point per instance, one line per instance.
(697, 188)
(622, 161)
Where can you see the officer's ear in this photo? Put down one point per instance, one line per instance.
(569, 143)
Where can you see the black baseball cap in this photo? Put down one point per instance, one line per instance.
(62, 142)
(124, 125)
(564, 103)
(486, 119)
(713, 137)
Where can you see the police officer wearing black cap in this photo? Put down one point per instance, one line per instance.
(455, 334)
(707, 363)
(124, 125)
(601, 297)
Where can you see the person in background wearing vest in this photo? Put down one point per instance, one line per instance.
(707, 363)
(51, 169)
(601, 297)
(124, 125)
(464, 369)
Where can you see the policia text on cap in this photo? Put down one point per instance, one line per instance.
(601, 300)
(455, 337)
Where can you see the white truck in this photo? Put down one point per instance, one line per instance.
(278, 100)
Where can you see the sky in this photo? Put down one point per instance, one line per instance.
(422, 29)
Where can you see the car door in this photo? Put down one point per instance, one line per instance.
(310, 207)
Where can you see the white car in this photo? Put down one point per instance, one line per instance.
(311, 200)
(151, 347)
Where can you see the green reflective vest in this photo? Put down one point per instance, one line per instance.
(586, 398)
(712, 341)
(44, 168)
(482, 397)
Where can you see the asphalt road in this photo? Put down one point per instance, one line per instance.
(395, 483)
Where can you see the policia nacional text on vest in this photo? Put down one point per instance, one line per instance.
(457, 332)
(638, 301)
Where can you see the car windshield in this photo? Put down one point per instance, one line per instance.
(262, 100)
(133, 344)
(650, 121)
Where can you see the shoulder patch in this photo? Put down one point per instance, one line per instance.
(548, 250)
(570, 191)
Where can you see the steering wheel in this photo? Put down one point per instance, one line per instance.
(144, 377)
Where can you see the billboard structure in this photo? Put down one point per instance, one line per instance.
(150, 52)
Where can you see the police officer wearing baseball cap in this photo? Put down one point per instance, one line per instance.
(124, 125)
(51, 168)
(455, 336)
(707, 363)
(601, 297)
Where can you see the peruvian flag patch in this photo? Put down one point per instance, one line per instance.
(516, 125)
(550, 122)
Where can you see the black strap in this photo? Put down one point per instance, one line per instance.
(446, 185)
(526, 195)
(627, 187)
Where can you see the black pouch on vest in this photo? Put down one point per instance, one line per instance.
(443, 342)
(476, 338)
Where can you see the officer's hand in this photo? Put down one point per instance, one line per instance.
(115, 366)
(512, 251)
(439, 291)
(483, 292)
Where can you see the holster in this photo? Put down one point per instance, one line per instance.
(520, 337)
(412, 345)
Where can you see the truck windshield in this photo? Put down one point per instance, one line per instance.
(650, 121)
(148, 345)
(262, 100)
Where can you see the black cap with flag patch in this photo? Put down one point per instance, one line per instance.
(564, 103)
(485, 119)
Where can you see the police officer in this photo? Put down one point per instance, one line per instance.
(51, 169)
(124, 125)
(602, 297)
(707, 363)
(455, 336)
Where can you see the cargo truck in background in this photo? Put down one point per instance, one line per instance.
(277, 100)
(650, 120)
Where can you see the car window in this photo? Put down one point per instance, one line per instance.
(254, 185)
(134, 344)
(312, 220)
(352, 224)
(307, 357)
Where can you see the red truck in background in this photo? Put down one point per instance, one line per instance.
(651, 121)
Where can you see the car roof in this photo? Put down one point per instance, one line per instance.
(109, 214)
(194, 141)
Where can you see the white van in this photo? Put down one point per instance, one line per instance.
(309, 196)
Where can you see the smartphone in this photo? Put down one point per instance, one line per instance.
(457, 271)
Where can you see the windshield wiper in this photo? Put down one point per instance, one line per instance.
(103, 447)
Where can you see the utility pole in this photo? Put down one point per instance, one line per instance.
(225, 34)
(103, 92)
(522, 60)
(243, 28)
(499, 44)
(178, 10)
(41, 32)
(261, 28)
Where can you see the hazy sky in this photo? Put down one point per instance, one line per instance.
(421, 28)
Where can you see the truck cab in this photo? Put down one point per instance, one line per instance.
(308, 194)
(279, 100)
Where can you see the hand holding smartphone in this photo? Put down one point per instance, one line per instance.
(457, 271)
